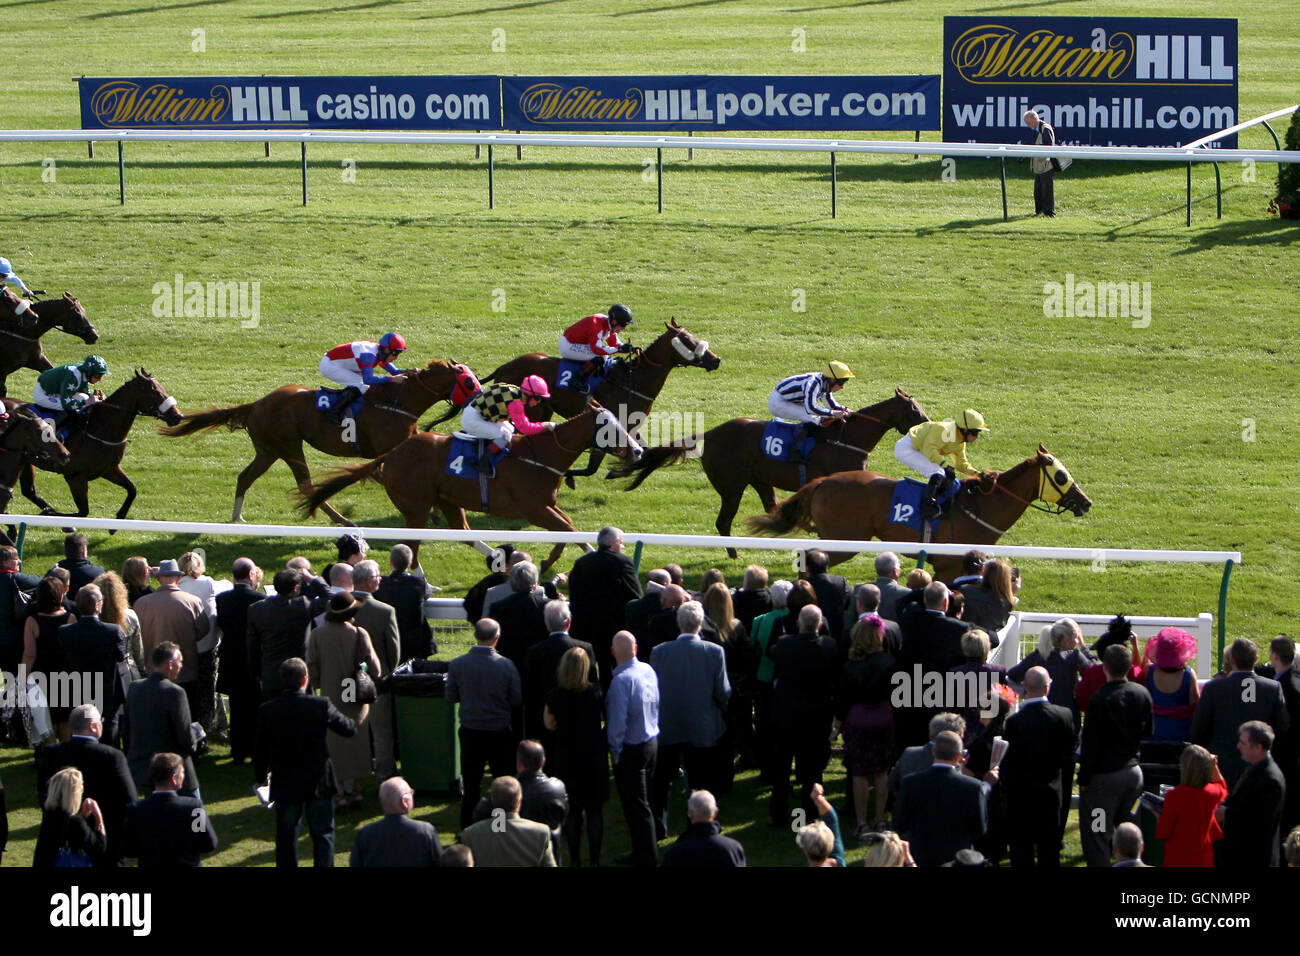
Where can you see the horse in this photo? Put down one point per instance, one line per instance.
(526, 485)
(631, 386)
(22, 335)
(25, 438)
(280, 422)
(856, 505)
(732, 454)
(96, 450)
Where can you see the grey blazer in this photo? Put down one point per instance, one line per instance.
(158, 713)
(693, 691)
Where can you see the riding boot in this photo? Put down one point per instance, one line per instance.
(344, 402)
(930, 502)
(485, 457)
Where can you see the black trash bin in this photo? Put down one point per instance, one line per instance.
(427, 739)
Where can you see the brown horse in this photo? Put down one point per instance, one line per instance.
(22, 336)
(96, 450)
(25, 438)
(854, 505)
(631, 387)
(733, 458)
(280, 422)
(526, 485)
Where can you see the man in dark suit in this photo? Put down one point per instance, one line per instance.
(540, 663)
(396, 840)
(277, 631)
(291, 752)
(233, 676)
(806, 670)
(520, 615)
(931, 644)
(158, 712)
(915, 759)
(638, 612)
(545, 798)
(1286, 748)
(104, 770)
(1040, 738)
(81, 571)
(405, 593)
(11, 622)
(498, 563)
(703, 846)
(832, 591)
(1120, 716)
(166, 830)
(1251, 816)
(379, 620)
(941, 810)
(94, 649)
(1229, 701)
(866, 600)
(888, 568)
(600, 585)
(662, 626)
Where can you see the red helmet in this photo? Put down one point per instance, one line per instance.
(393, 341)
(535, 386)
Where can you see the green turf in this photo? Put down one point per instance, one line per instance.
(917, 283)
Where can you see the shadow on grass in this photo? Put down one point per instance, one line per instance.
(1253, 232)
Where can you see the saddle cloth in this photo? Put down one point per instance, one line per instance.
(905, 505)
(570, 376)
(781, 439)
(463, 456)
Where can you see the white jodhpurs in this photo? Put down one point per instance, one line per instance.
(779, 407)
(51, 402)
(336, 370)
(909, 456)
(578, 353)
(472, 423)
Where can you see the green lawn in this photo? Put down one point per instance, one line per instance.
(917, 283)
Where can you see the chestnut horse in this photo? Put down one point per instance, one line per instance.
(96, 450)
(25, 438)
(733, 458)
(21, 337)
(631, 387)
(854, 505)
(526, 485)
(280, 422)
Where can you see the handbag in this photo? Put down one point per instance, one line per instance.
(365, 685)
(37, 713)
(71, 858)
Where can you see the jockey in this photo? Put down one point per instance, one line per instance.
(925, 446)
(497, 412)
(353, 364)
(800, 398)
(595, 338)
(62, 388)
(9, 277)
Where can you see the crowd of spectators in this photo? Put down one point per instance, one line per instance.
(950, 759)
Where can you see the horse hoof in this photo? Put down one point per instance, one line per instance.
(570, 483)
(732, 553)
(112, 531)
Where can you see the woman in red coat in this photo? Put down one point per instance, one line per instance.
(1187, 823)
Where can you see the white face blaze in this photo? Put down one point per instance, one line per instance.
(611, 434)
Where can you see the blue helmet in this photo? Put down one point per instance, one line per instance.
(393, 341)
(6, 268)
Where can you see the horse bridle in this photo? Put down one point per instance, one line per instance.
(1044, 479)
(166, 405)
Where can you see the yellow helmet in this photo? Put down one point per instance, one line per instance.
(839, 371)
(971, 420)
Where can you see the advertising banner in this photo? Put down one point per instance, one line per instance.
(720, 103)
(1099, 81)
(291, 102)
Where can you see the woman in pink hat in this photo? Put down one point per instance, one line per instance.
(1172, 683)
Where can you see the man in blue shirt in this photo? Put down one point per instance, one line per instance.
(633, 728)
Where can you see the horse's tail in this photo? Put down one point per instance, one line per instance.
(232, 417)
(794, 512)
(654, 459)
(492, 375)
(446, 416)
(336, 481)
